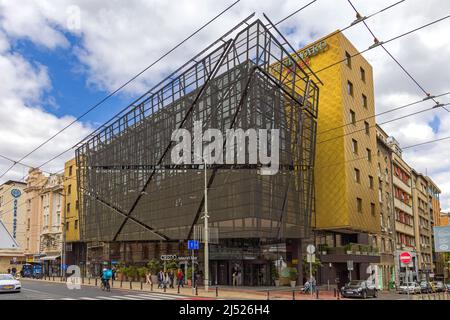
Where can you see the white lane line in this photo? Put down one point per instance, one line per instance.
(68, 299)
(87, 298)
(144, 297)
(126, 298)
(107, 298)
(35, 291)
(158, 296)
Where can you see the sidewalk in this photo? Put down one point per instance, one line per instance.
(219, 292)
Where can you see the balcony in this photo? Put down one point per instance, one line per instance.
(355, 252)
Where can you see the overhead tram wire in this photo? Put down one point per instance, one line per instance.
(67, 150)
(121, 87)
(338, 62)
(385, 122)
(383, 113)
(366, 157)
(377, 42)
(384, 42)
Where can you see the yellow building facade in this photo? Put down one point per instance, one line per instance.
(347, 219)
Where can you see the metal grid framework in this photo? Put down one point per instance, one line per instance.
(131, 191)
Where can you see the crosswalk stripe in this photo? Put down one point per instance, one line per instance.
(68, 299)
(159, 295)
(145, 297)
(127, 298)
(88, 298)
(107, 298)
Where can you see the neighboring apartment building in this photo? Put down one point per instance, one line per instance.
(35, 182)
(386, 242)
(51, 210)
(404, 215)
(434, 207)
(75, 250)
(423, 225)
(44, 202)
(346, 186)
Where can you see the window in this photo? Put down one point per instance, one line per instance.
(355, 146)
(70, 171)
(364, 101)
(77, 205)
(69, 189)
(68, 208)
(359, 205)
(352, 116)
(357, 176)
(372, 209)
(350, 88)
(76, 224)
(370, 182)
(28, 224)
(367, 127)
(369, 155)
(363, 74)
(67, 225)
(348, 59)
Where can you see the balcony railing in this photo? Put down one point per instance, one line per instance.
(353, 248)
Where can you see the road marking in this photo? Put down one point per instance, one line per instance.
(145, 297)
(107, 298)
(88, 298)
(127, 298)
(157, 295)
(68, 299)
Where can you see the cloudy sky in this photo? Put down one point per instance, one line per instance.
(58, 58)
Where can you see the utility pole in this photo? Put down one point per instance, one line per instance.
(206, 232)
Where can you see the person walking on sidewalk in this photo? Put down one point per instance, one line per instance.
(148, 279)
(160, 279)
(180, 278)
(171, 279)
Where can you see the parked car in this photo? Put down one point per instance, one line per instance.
(409, 287)
(360, 289)
(9, 284)
(439, 286)
(426, 287)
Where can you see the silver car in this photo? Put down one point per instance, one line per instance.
(9, 284)
(409, 287)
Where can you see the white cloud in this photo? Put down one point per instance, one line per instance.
(118, 40)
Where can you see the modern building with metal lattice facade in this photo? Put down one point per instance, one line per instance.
(136, 204)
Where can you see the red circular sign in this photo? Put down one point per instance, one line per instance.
(405, 257)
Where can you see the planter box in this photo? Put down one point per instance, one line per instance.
(349, 252)
(324, 253)
(277, 283)
(293, 283)
(357, 252)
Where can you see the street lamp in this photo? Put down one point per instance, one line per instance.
(205, 216)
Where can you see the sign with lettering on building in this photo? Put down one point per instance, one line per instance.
(442, 239)
(16, 194)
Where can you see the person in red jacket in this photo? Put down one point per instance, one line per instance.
(180, 278)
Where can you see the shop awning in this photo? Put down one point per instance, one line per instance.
(49, 258)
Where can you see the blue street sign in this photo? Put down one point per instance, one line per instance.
(193, 245)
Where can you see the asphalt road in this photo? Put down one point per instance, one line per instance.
(37, 290)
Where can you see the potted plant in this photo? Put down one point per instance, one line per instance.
(142, 272)
(293, 273)
(323, 248)
(189, 276)
(348, 248)
(275, 275)
(154, 266)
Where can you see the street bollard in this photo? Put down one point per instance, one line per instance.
(165, 288)
(53, 278)
(334, 292)
(131, 286)
(293, 294)
(317, 293)
(338, 293)
(178, 288)
(89, 280)
(151, 286)
(196, 290)
(112, 283)
(142, 286)
(95, 281)
(121, 281)
(82, 280)
(267, 294)
(217, 291)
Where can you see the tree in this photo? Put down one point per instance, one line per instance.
(154, 266)
(315, 266)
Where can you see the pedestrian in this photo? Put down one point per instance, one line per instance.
(180, 278)
(234, 276)
(160, 279)
(9, 271)
(313, 284)
(166, 280)
(148, 277)
(171, 278)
